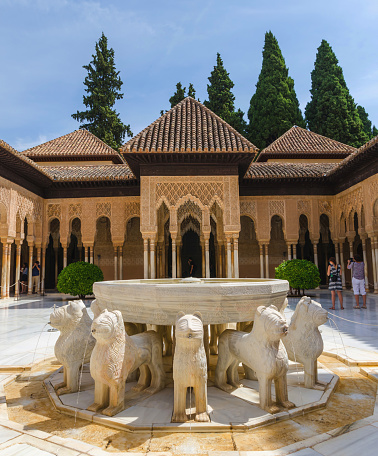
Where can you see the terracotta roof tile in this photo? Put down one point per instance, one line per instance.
(273, 170)
(89, 173)
(189, 127)
(298, 141)
(76, 145)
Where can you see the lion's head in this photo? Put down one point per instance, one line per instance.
(308, 311)
(189, 326)
(68, 316)
(271, 322)
(108, 325)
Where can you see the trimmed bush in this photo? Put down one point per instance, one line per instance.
(301, 274)
(78, 279)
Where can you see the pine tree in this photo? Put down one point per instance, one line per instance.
(366, 122)
(332, 111)
(103, 86)
(374, 131)
(178, 96)
(274, 107)
(221, 99)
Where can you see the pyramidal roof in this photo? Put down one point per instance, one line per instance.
(189, 127)
(78, 145)
(301, 143)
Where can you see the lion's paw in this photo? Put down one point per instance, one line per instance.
(179, 418)
(202, 417)
(111, 411)
(288, 404)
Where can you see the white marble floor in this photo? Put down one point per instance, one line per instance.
(351, 334)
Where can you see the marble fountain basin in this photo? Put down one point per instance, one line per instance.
(157, 301)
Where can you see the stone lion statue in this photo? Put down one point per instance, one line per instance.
(75, 343)
(304, 343)
(116, 355)
(189, 367)
(262, 351)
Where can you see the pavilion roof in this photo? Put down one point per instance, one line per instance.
(301, 143)
(189, 127)
(287, 171)
(89, 173)
(78, 145)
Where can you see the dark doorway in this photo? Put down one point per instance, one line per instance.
(191, 248)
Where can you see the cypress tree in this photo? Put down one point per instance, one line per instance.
(332, 111)
(103, 86)
(274, 107)
(369, 129)
(178, 96)
(221, 99)
(191, 91)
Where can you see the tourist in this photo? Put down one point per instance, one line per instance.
(24, 278)
(358, 280)
(192, 267)
(335, 285)
(35, 277)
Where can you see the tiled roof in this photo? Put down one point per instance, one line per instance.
(19, 156)
(298, 141)
(89, 173)
(189, 127)
(273, 170)
(76, 145)
(368, 148)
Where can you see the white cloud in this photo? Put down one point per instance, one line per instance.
(26, 143)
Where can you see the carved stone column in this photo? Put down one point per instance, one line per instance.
(261, 248)
(207, 255)
(229, 265)
(86, 253)
(267, 261)
(342, 265)
(174, 267)
(316, 253)
(236, 258)
(373, 260)
(376, 262)
(39, 258)
(294, 251)
(152, 258)
(288, 251)
(91, 254)
(43, 269)
(145, 258)
(179, 263)
(30, 267)
(115, 262)
(220, 259)
(4, 265)
(18, 267)
(365, 263)
(120, 259)
(203, 256)
(64, 256)
(9, 254)
(337, 252)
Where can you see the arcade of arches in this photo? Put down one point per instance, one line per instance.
(154, 234)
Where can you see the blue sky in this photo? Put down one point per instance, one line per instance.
(45, 43)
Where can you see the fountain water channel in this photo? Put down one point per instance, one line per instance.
(180, 354)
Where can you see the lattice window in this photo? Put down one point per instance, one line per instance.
(103, 209)
(75, 210)
(204, 191)
(54, 210)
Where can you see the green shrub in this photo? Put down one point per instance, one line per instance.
(301, 274)
(78, 279)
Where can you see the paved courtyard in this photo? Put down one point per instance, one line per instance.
(350, 335)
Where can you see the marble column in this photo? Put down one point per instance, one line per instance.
(351, 254)
(207, 258)
(18, 267)
(152, 258)
(316, 253)
(294, 251)
(86, 253)
(30, 268)
(43, 269)
(145, 258)
(342, 265)
(64, 256)
(179, 263)
(374, 265)
(4, 265)
(374, 249)
(115, 262)
(267, 261)
(174, 267)
(203, 257)
(261, 248)
(9, 256)
(337, 252)
(220, 260)
(120, 259)
(39, 259)
(236, 258)
(229, 266)
(91, 251)
(365, 263)
(288, 251)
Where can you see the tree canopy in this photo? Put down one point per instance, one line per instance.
(221, 99)
(274, 107)
(332, 111)
(103, 88)
(370, 130)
